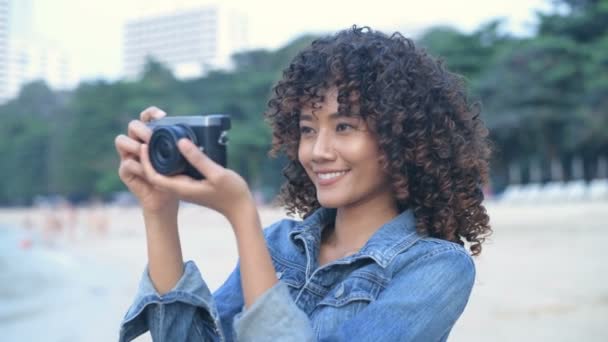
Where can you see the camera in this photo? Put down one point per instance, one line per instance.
(208, 132)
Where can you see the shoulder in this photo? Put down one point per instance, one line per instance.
(279, 229)
(437, 259)
(278, 236)
(434, 279)
(429, 247)
(287, 254)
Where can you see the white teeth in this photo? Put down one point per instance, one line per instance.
(330, 175)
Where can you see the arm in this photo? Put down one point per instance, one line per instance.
(257, 271)
(165, 261)
(190, 311)
(173, 301)
(187, 312)
(226, 192)
(270, 314)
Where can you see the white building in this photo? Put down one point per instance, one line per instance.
(4, 35)
(30, 62)
(190, 42)
(23, 57)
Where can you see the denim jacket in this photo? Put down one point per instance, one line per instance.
(400, 286)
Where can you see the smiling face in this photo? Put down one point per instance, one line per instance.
(340, 156)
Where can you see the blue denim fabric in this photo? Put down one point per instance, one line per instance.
(400, 286)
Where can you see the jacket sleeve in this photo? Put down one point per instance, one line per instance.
(422, 303)
(189, 312)
(273, 317)
(186, 313)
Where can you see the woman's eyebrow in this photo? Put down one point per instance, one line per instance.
(306, 117)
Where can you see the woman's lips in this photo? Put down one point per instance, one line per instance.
(327, 182)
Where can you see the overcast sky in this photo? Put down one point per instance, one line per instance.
(91, 32)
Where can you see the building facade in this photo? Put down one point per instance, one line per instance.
(4, 49)
(25, 58)
(190, 42)
(31, 61)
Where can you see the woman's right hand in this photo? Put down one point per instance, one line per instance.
(153, 200)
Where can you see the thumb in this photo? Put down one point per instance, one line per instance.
(199, 160)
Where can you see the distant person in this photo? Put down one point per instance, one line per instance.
(28, 226)
(53, 226)
(28, 222)
(70, 217)
(387, 160)
(98, 220)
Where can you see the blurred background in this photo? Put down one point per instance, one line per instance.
(73, 74)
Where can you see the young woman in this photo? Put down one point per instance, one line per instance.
(387, 160)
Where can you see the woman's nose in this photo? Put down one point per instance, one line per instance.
(323, 148)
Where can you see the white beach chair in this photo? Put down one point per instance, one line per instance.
(532, 192)
(511, 194)
(576, 190)
(598, 189)
(553, 192)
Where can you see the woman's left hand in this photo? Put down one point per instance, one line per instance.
(222, 190)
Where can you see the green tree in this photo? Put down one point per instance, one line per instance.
(24, 143)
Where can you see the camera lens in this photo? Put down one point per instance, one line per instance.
(164, 149)
(164, 154)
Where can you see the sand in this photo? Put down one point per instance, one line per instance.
(542, 276)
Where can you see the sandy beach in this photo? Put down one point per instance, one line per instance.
(542, 276)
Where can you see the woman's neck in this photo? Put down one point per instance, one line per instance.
(355, 224)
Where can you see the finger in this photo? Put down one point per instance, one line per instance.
(139, 131)
(205, 165)
(126, 146)
(184, 186)
(152, 113)
(130, 168)
(191, 190)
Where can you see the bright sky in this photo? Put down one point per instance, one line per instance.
(91, 32)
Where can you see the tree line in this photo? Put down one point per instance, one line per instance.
(544, 98)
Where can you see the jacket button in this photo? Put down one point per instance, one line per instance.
(339, 291)
(279, 275)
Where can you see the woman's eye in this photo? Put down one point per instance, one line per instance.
(343, 125)
(305, 130)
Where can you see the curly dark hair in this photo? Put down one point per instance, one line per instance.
(432, 141)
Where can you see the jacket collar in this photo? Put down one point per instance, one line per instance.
(390, 239)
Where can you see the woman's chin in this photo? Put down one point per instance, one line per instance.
(328, 202)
